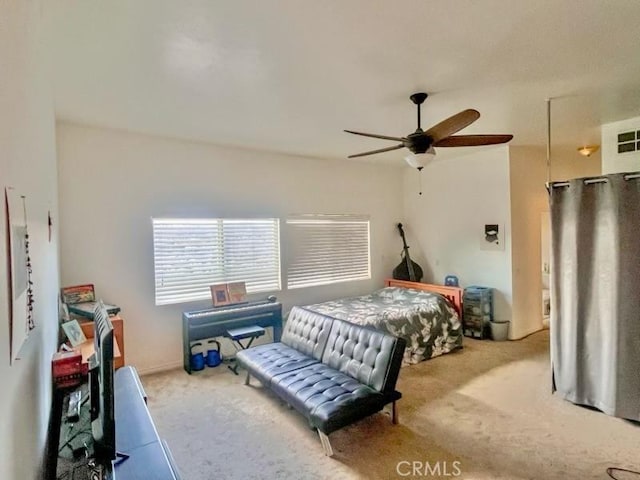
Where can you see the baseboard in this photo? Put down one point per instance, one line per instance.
(159, 368)
(529, 332)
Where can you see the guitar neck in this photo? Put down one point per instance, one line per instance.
(412, 273)
(407, 258)
(404, 240)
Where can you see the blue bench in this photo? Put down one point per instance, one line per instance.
(238, 334)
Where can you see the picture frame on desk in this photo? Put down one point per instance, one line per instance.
(219, 294)
(74, 333)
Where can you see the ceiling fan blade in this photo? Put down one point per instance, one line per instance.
(472, 140)
(388, 149)
(373, 135)
(452, 124)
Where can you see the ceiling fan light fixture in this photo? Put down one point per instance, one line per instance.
(420, 160)
(588, 150)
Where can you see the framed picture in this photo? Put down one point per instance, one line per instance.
(219, 294)
(237, 292)
(492, 237)
(20, 289)
(74, 333)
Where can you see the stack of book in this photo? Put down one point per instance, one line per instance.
(81, 300)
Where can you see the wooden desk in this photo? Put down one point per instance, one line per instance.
(118, 333)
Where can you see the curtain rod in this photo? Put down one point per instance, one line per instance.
(548, 100)
(589, 181)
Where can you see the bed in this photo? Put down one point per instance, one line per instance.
(427, 316)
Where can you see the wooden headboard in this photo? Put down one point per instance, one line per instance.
(453, 294)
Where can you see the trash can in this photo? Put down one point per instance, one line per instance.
(500, 330)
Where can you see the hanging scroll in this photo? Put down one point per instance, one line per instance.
(20, 284)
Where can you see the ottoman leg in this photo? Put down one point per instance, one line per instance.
(248, 379)
(394, 413)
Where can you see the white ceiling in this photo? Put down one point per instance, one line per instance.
(290, 75)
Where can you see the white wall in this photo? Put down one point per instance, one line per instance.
(612, 161)
(445, 225)
(112, 182)
(28, 163)
(504, 185)
(529, 199)
(567, 163)
(528, 174)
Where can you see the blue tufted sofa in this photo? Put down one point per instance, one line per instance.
(333, 372)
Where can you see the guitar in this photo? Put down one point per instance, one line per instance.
(407, 269)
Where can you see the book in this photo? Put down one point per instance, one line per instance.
(81, 300)
(237, 292)
(85, 309)
(78, 294)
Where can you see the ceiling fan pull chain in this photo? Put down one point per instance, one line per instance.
(420, 180)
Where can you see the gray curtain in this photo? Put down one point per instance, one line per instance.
(595, 292)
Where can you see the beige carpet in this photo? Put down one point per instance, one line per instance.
(487, 406)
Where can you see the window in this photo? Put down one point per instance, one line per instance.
(627, 142)
(327, 249)
(192, 254)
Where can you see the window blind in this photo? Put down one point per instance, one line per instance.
(192, 254)
(327, 249)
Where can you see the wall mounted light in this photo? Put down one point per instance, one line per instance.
(588, 150)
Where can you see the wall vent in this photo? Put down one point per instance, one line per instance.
(629, 142)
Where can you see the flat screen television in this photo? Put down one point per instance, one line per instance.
(103, 423)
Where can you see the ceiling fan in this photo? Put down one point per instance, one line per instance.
(422, 143)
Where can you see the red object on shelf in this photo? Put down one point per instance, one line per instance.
(66, 368)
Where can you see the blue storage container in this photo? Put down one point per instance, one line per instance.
(477, 311)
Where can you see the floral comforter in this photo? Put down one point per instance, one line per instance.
(427, 321)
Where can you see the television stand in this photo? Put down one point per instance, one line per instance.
(71, 445)
(140, 453)
(147, 456)
(120, 457)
